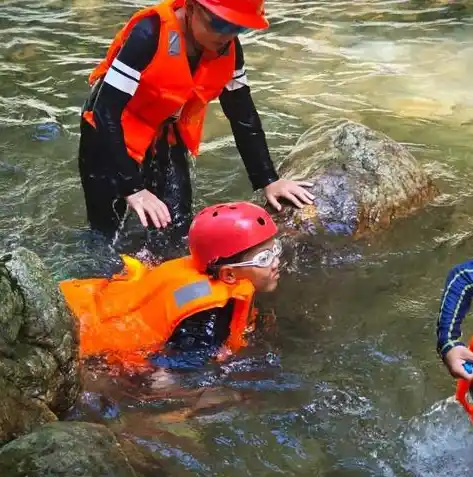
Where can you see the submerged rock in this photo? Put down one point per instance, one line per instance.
(76, 449)
(39, 366)
(362, 180)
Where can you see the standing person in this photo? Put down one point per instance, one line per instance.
(147, 106)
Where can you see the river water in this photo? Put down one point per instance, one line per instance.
(345, 381)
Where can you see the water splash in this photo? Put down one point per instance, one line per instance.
(439, 442)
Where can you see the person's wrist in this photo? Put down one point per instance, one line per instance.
(262, 183)
(446, 347)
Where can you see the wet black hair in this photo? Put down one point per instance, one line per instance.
(213, 268)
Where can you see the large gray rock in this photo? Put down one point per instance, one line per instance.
(362, 180)
(76, 449)
(39, 365)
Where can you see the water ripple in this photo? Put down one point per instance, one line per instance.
(352, 358)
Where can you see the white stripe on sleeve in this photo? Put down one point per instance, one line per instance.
(238, 73)
(238, 83)
(119, 65)
(121, 82)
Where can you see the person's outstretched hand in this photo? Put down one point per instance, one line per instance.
(146, 204)
(293, 191)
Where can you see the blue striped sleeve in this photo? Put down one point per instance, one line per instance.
(455, 304)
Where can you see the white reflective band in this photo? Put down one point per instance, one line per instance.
(234, 84)
(121, 82)
(238, 73)
(126, 69)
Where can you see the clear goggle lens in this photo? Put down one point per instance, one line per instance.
(262, 259)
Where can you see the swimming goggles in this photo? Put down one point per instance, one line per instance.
(262, 259)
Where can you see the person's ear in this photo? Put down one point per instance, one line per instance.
(227, 275)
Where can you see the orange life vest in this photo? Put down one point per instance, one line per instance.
(136, 312)
(166, 87)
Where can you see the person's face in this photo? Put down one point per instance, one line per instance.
(264, 278)
(210, 31)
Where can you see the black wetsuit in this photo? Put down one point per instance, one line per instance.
(109, 174)
(196, 339)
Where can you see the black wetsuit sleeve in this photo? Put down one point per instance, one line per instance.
(238, 106)
(109, 102)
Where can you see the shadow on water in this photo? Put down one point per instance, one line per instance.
(341, 379)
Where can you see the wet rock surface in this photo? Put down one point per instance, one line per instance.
(39, 365)
(362, 180)
(76, 449)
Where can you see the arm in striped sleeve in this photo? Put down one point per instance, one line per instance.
(118, 87)
(455, 304)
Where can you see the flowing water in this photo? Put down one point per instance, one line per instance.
(345, 381)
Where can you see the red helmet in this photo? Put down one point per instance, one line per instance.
(223, 230)
(246, 13)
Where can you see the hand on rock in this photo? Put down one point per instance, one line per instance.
(455, 359)
(144, 203)
(293, 191)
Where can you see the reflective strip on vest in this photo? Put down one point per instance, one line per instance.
(174, 43)
(191, 292)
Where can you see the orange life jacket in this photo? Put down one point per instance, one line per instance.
(166, 87)
(136, 312)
